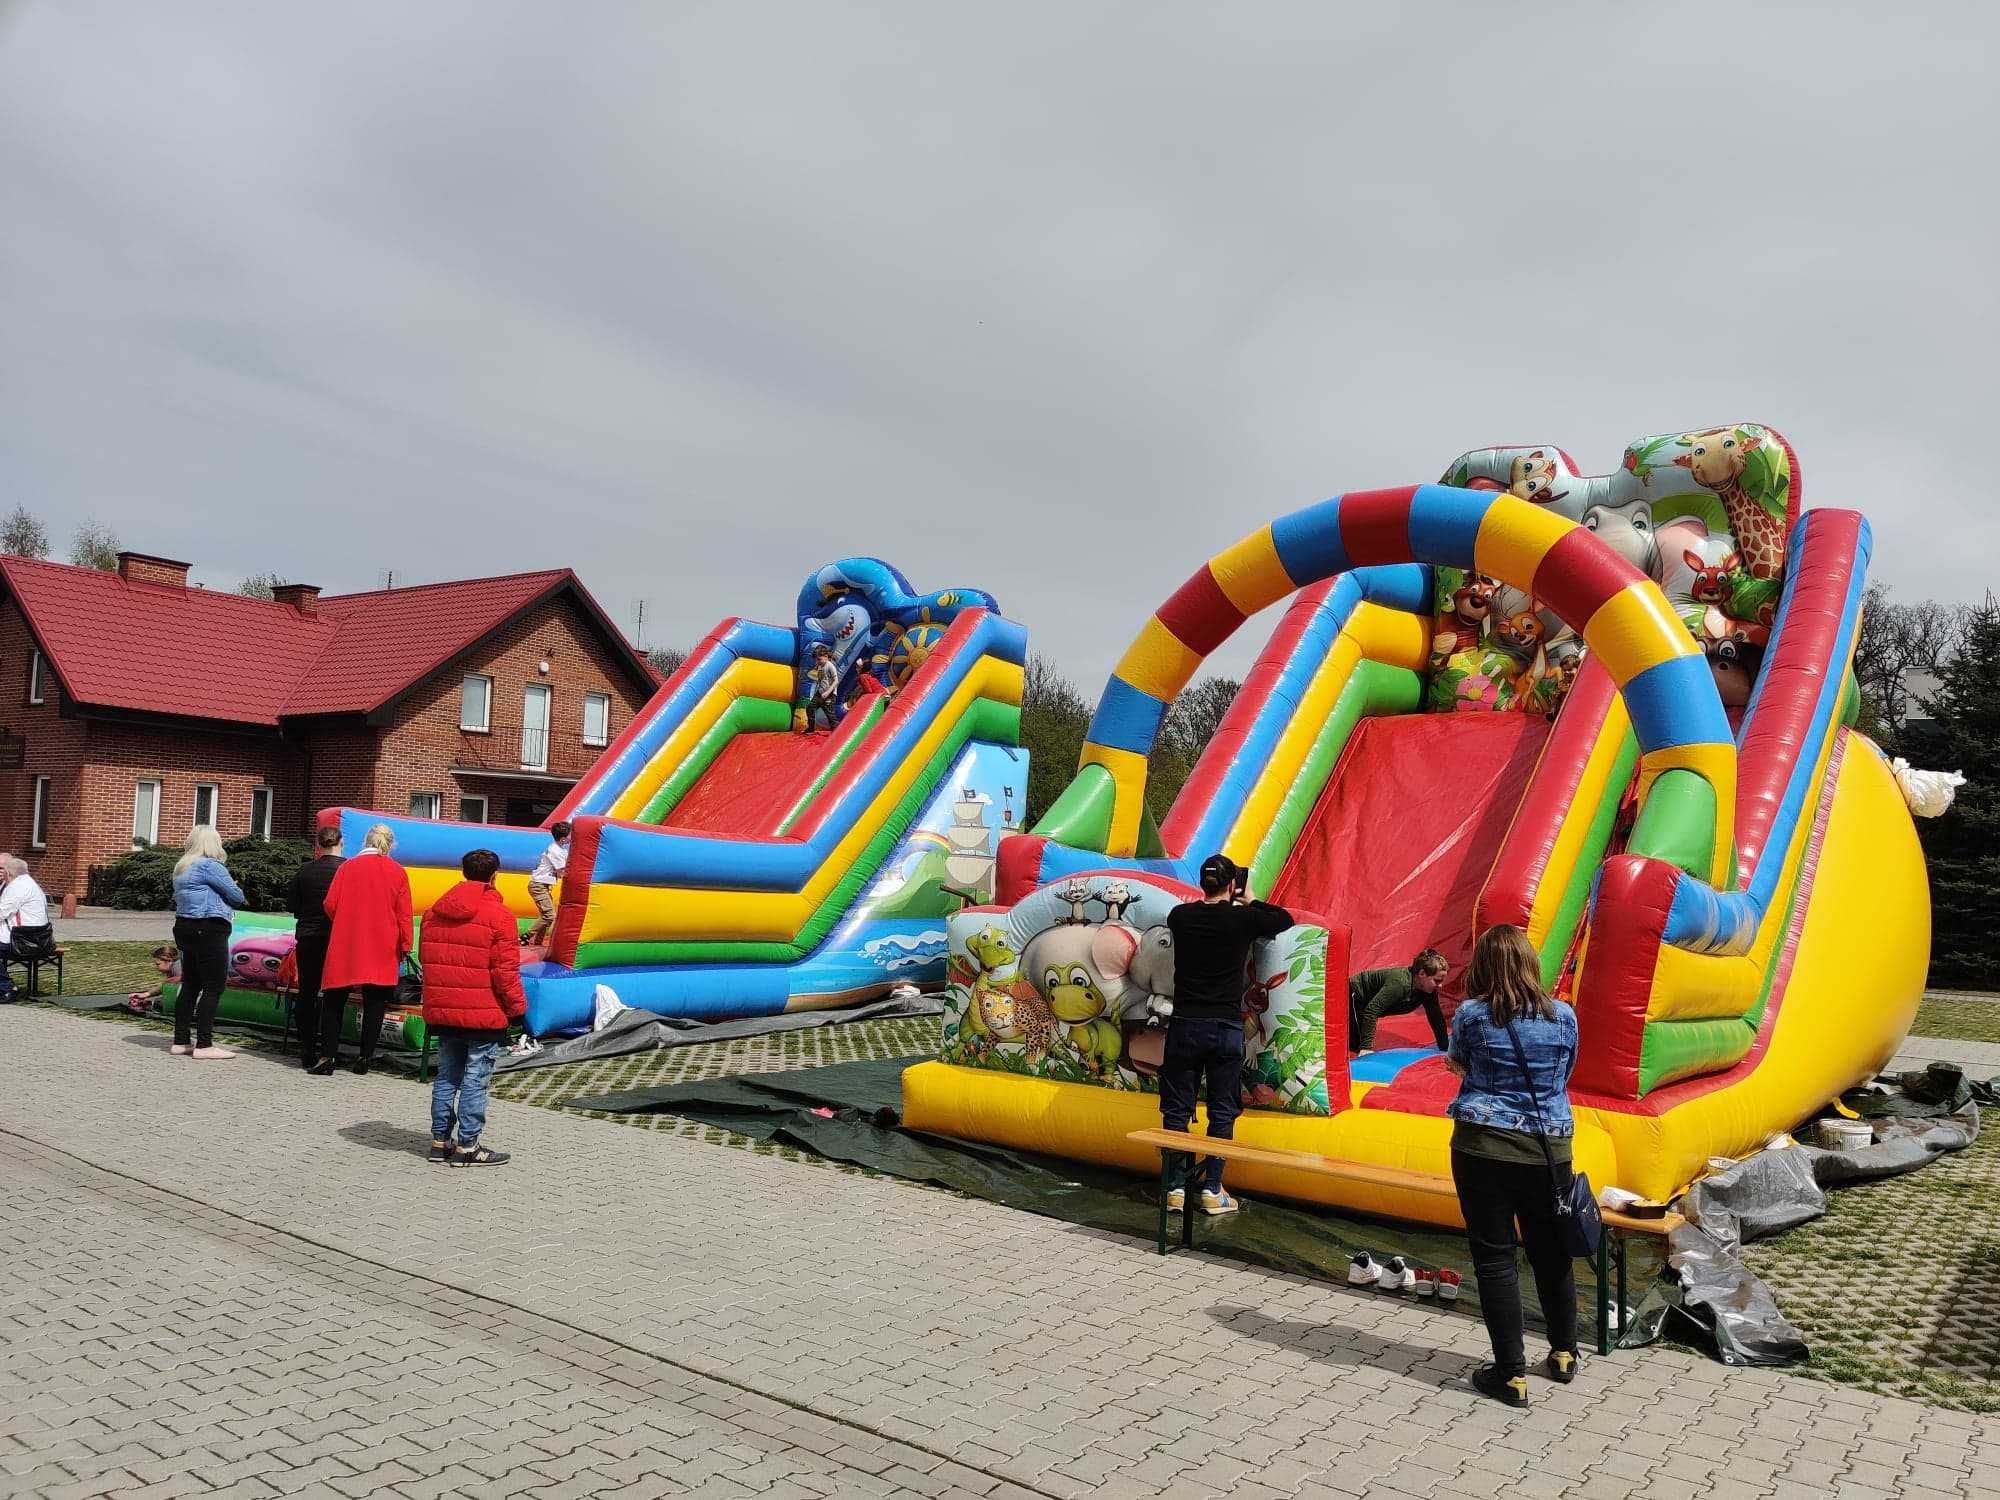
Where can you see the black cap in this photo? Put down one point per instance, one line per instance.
(1218, 872)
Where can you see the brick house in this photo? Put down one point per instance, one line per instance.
(133, 706)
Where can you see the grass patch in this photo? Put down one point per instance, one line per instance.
(102, 967)
(1958, 1017)
(1897, 1287)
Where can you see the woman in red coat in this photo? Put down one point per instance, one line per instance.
(369, 902)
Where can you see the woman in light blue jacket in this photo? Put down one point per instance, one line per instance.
(204, 897)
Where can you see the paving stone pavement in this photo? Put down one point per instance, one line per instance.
(227, 1276)
(1979, 1059)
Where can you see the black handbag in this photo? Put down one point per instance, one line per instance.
(1577, 1218)
(32, 942)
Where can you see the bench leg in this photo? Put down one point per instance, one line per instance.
(1166, 1186)
(1604, 1290)
(1624, 1303)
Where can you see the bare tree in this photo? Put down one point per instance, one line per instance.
(1193, 718)
(94, 546)
(261, 585)
(666, 660)
(23, 535)
(1896, 640)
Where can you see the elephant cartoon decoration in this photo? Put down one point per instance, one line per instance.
(870, 618)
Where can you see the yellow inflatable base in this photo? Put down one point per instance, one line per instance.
(1856, 977)
(1088, 1123)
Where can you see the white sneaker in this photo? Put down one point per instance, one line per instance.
(213, 1053)
(1362, 1270)
(1218, 1202)
(182, 1049)
(1176, 1200)
(1396, 1276)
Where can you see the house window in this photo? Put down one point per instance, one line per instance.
(38, 831)
(597, 718)
(535, 727)
(471, 809)
(206, 796)
(35, 677)
(260, 812)
(424, 804)
(475, 704)
(145, 813)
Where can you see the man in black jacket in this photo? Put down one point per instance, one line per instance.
(1212, 939)
(306, 897)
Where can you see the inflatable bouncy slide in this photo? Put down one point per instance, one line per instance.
(1615, 710)
(726, 862)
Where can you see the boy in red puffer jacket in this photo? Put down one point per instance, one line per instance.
(471, 955)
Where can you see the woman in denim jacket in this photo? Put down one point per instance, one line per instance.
(1497, 1154)
(204, 898)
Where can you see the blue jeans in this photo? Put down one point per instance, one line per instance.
(1202, 1051)
(458, 1093)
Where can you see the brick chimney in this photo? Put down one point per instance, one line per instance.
(143, 567)
(303, 597)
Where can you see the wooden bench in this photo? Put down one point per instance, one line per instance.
(1618, 1227)
(54, 959)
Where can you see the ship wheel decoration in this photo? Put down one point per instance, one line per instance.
(907, 647)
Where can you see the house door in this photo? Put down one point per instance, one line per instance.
(535, 727)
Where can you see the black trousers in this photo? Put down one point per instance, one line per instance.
(1493, 1195)
(1202, 1051)
(204, 946)
(375, 1000)
(311, 955)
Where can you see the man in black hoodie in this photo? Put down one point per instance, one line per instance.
(306, 899)
(1212, 939)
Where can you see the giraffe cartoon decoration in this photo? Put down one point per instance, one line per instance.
(1705, 512)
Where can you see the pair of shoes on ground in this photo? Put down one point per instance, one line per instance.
(1214, 1202)
(327, 1066)
(1512, 1390)
(207, 1054)
(443, 1153)
(1398, 1275)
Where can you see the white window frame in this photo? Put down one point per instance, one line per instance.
(35, 677)
(262, 829)
(214, 818)
(426, 804)
(528, 691)
(603, 735)
(153, 836)
(38, 825)
(466, 800)
(485, 724)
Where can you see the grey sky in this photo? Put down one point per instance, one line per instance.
(1049, 300)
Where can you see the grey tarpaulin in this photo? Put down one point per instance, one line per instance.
(1917, 1118)
(643, 1031)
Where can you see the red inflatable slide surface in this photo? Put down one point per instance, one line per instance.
(755, 781)
(1406, 833)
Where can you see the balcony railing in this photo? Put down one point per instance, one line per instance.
(517, 747)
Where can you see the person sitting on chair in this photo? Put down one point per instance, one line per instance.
(24, 921)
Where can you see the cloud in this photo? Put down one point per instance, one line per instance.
(1055, 302)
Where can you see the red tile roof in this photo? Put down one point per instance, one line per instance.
(191, 652)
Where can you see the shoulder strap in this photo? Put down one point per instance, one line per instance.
(1534, 1098)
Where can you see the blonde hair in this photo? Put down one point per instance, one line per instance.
(203, 842)
(1506, 973)
(381, 838)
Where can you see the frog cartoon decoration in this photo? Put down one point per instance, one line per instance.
(1079, 971)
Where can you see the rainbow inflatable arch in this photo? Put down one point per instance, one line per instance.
(1726, 883)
